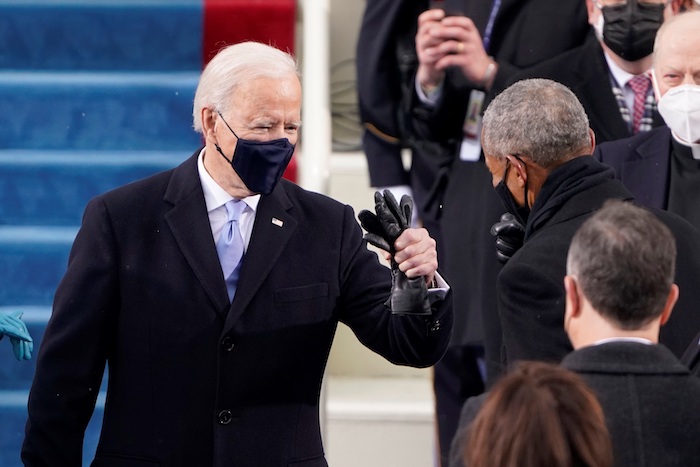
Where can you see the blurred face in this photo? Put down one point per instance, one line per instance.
(676, 76)
(595, 6)
(626, 29)
(678, 58)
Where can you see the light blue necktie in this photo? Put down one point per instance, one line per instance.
(230, 246)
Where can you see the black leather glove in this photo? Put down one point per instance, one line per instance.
(509, 235)
(408, 296)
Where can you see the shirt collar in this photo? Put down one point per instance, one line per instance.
(621, 76)
(639, 340)
(214, 195)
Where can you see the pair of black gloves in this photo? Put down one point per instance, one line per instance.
(384, 226)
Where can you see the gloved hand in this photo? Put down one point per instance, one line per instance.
(408, 296)
(13, 326)
(509, 235)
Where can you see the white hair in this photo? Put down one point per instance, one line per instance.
(233, 65)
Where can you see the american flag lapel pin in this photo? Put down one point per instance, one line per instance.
(277, 222)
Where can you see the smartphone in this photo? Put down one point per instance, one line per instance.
(448, 7)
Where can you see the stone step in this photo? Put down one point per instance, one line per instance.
(97, 111)
(33, 260)
(53, 187)
(101, 34)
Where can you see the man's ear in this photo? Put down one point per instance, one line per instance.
(519, 166)
(592, 135)
(573, 301)
(590, 7)
(676, 6)
(670, 303)
(208, 122)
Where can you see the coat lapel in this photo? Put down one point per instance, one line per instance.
(273, 228)
(646, 174)
(596, 94)
(190, 226)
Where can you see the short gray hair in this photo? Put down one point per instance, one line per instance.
(233, 65)
(537, 118)
(625, 259)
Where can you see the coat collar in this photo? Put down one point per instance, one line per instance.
(624, 357)
(646, 173)
(189, 223)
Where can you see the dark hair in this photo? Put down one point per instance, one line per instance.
(624, 260)
(539, 415)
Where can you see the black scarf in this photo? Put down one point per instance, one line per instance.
(562, 184)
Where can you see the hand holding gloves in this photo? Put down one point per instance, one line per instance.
(408, 296)
(14, 327)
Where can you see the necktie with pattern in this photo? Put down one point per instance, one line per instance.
(640, 85)
(230, 246)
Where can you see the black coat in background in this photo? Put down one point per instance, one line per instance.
(641, 162)
(386, 64)
(531, 295)
(650, 401)
(526, 32)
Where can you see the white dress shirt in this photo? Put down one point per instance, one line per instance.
(216, 197)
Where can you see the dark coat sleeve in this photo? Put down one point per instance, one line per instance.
(386, 60)
(75, 346)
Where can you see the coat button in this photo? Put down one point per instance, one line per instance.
(227, 343)
(225, 417)
(436, 326)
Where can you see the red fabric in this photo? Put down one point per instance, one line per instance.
(231, 21)
(640, 85)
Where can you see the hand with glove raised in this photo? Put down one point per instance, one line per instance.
(14, 327)
(412, 252)
(509, 235)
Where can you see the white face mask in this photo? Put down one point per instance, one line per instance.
(680, 108)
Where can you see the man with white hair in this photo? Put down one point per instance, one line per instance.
(662, 168)
(213, 291)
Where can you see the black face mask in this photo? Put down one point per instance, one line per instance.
(259, 164)
(521, 213)
(629, 30)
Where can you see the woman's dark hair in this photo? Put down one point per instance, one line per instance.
(539, 415)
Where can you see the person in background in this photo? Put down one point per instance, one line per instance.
(466, 49)
(610, 73)
(538, 147)
(212, 292)
(619, 292)
(662, 167)
(539, 415)
(386, 64)
(12, 326)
